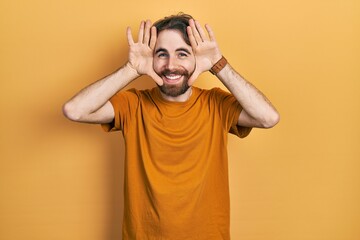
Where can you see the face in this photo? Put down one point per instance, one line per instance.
(174, 62)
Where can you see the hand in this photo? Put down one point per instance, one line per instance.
(205, 49)
(141, 52)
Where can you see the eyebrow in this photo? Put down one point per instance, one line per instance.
(183, 49)
(177, 50)
(160, 50)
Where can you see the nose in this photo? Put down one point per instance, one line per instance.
(171, 63)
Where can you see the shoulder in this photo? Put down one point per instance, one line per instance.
(213, 93)
(133, 93)
(214, 90)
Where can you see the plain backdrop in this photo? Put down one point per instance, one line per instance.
(298, 181)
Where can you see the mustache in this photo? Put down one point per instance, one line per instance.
(176, 72)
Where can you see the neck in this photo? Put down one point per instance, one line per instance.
(181, 98)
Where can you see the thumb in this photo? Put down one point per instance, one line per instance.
(193, 77)
(157, 78)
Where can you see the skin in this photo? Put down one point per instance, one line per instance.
(174, 62)
(169, 61)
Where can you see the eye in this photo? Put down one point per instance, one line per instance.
(162, 55)
(182, 54)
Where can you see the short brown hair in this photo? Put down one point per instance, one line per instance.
(177, 22)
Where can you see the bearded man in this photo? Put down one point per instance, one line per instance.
(176, 167)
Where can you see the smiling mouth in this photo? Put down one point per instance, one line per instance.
(172, 78)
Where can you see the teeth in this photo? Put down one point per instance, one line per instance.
(173, 77)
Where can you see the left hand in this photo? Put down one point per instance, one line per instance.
(205, 49)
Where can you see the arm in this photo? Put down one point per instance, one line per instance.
(92, 104)
(257, 109)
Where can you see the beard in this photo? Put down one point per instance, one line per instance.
(174, 90)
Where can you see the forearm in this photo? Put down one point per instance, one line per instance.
(253, 101)
(93, 97)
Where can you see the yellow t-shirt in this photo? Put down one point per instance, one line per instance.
(176, 169)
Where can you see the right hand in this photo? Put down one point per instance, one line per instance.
(141, 52)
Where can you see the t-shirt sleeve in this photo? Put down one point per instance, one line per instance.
(230, 109)
(124, 104)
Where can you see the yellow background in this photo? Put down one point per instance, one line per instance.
(297, 181)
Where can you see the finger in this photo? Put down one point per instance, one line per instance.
(210, 32)
(153, 38)
(129, 36)
(201, 31)
(195, 31)
(141, 32)
(192, 39)
(147, 32)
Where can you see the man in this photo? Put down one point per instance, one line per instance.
(176, 173)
